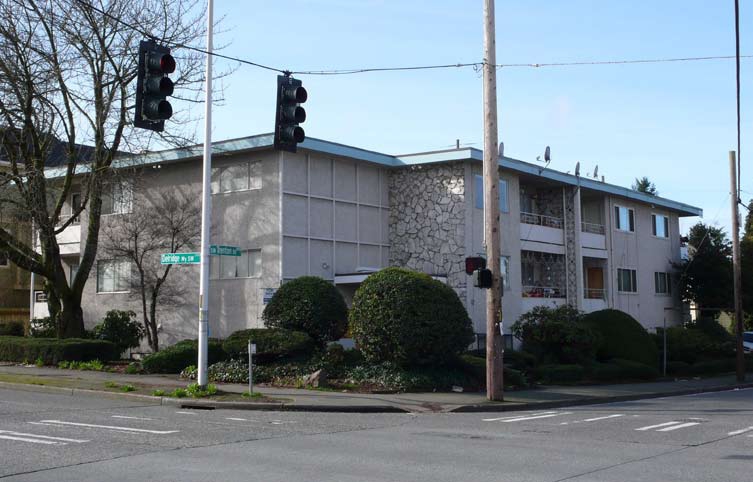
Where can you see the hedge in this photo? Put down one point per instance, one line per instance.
(407, 318)
(311, 305)
(52, 351)
(560, 373)
(271, 344)
(175, 358)
(12, 328)
(619, 370)
(622, 337)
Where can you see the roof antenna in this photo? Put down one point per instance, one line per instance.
(457, 143)
(596, 172)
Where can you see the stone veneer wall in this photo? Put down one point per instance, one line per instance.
(570, 246)
(427, 221)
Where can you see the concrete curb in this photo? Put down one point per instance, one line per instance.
(572, 402)
(203, 404)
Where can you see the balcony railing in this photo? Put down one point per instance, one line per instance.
(592, 228)
(543, 292)
(541, 220)
(595, 294)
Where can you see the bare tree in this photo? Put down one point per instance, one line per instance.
(167, 223)
(67, 79)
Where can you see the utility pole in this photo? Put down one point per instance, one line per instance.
(206, 212)
(737, 278)
(494, 387)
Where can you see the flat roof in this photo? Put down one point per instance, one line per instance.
(266, 141)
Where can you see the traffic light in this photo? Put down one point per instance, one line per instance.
(474, 263)
(482, 278)
(153, 86)
(289, 114)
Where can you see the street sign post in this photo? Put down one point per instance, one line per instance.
(180, 258)
(216, 250)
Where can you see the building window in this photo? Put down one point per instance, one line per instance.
(117, 198)
(626, 280)
(247, 265)
(75, 206)
(663, 283)
(660, 225)
(237, 177)
(113, 275)
(624, 219)
(479, 185)
(505, 270)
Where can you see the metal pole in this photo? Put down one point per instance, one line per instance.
(32, 281)
(664, 349)
(206, 210)
(736, 266)
(250, 370)
(494, 388)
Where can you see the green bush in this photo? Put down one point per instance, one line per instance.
(43, 328)
(271, 344)
(475, 368)
(713, 367)
(175, 358)
(407, 318)
(679, 368)
(619, 370)
(556, 335)
(565, 373)
(691, 345)
(622, 337)
(519, 360)
(12, 328)
(52, 351)
(120, 328)
(311, 305)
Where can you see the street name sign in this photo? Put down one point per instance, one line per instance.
(215, 250)
(180, 258)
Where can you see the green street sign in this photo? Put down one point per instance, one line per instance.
(181, 258)
(215, 250)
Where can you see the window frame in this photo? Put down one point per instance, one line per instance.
(252, 182)
(654, 226)
(121, 261)
(667, 283)
(630, 218)
(216, 266)
(478, 187)
(633, 282)
(121, 194)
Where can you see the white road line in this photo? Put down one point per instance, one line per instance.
(512, 416)
(534, 417)
(106, 427)
(236, 419)
(741, 431)
(31, 440)
(131, 418)
(657, 426)
(677, 427)
(186, 413)
(61, 439)
(604, 418)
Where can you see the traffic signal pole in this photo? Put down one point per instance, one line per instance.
(206, 212)
(494, 390)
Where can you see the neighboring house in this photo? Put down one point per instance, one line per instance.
(340, 213)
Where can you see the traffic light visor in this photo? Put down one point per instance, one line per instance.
(474, 263)
(164, 63)
(295, 94)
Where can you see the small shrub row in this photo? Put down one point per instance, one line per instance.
(12, 328)
(709, 367)
(622, 370)
(271, 344)
(51, 351)
(175, 358)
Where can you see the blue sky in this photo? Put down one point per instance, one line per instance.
(674, 122)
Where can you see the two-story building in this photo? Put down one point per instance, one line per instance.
(340, 213)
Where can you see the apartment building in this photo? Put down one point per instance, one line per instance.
(341, 213)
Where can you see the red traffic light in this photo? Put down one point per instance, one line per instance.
(474, 263)
(164, 63)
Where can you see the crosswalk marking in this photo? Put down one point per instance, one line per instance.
(534, 417)
(677, 427)
(741, 431)
(31, 440)
(236, 419)
(512, 416)
(131, 418)
(106, 427)
(604, 417)
(59, 439)
(659, 425)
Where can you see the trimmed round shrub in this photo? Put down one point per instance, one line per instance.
(12, 328)
(568, 373)
(408, 318)
(175, 358)
(311, 305)
(271, 344)
(120, 328)
(556, 335)
(622, 337)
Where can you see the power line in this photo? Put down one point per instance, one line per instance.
(474, 65)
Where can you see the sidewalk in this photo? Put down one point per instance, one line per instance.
(544, 397)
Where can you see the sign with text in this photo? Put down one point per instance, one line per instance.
(181, 258)
(215, 250)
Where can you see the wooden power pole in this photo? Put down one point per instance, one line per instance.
(737, 277)
(494, 390)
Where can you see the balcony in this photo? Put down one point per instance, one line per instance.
(592, 228)
(594, 286)
(70, 239)
(541, 220)
(541, 229)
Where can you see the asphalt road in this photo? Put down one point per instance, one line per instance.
(48, 437)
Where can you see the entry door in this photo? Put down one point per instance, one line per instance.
(595, 283)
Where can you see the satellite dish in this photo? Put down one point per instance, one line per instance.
(547, 154)
(596, 172)
(501, 149)
(577, 169)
